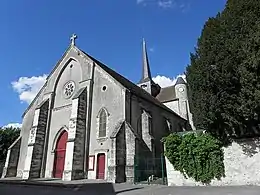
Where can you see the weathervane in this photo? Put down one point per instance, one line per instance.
(73, 38)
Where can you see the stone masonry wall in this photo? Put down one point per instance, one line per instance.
(242, 166)
(130, 153)
(121, 155)
(37, 155)
(10, 169)
(79, 143)
(146, 129)
(111, 169)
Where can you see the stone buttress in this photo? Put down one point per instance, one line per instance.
(34, 157)
(75, 151)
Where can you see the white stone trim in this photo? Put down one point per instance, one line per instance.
(97, 125)
(62, 107)
(54, 143)
(6, 163)
(7, 158)
(14, 143)
(28, 161)
(49, 171)
(36, 117)
(31, 141)
(105, 109)
(74, 109)
(51, 158)
(67, 174)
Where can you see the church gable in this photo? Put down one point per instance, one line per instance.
(64, 81)
(67, 83)
(72, 68)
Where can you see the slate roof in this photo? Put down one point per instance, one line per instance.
(131, 86)
(146, 76)
(167, 94)
(180, 80)
(125, 82)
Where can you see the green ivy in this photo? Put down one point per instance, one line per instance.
(199, 156)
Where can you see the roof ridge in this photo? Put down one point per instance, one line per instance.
(130, 85)
(168, 86)
(120, 78)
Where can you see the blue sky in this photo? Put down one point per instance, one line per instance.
(34, 35)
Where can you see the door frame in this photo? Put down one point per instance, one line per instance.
(97, 170)
(57, 138)
(101, 151)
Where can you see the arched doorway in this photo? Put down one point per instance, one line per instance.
(60, 152)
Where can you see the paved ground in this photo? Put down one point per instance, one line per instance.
(163, 190)
(124, 189)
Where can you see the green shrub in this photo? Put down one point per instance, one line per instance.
(199, 156)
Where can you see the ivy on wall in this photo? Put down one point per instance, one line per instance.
(198, 156)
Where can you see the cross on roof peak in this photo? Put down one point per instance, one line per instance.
(73, 38)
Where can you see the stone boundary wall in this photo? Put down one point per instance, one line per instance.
(2, 165)
(242, 166)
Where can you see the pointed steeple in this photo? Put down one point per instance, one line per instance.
(146, 67)
(146, 81)
(180, 80)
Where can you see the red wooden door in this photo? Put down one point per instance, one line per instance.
(101, 166)
(60, 153)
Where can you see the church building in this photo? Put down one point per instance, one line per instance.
(89, 122)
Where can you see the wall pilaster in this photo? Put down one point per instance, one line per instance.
(34, 157)
(75, 151)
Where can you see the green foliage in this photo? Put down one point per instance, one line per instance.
(7, 137)
(224, 72)
(199, 156)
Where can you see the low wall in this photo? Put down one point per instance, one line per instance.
(2, 165)
(242, 166)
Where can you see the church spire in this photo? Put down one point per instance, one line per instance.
(146, 67)
(146, 81)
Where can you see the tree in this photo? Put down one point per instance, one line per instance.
(224, 72)
(7, 136)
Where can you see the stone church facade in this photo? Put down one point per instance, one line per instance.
(88, 121)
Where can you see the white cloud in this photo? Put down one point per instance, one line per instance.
(28, 87)
(164, 81)
(165, 3)
(14, 125)
(183, 5)
(151, 49)
(139, 1)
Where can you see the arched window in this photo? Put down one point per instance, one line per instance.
(102, 123)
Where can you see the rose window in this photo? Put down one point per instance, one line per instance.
(69, 89)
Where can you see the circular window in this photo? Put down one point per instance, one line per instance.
(69, 89)
(104, 88)
(181, 89)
